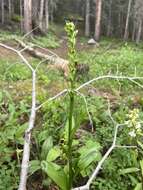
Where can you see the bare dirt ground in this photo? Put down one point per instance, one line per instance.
(62, 51)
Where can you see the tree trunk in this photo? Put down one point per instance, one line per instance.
(87, 18)
(134, 31)
(119, 32)
(27, 16)
(2, 12)
(41, 15)
(21, 15)
(35, 13)
(139, 31)
(98, 19)
(47, 14)
(10, 9)
(127, 21)
(51, 15)
(109, 19)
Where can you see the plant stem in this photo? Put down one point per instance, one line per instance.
(141, 176)
(71, 33)
(141, 172)
(71, 110)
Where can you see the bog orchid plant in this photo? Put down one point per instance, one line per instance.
(71, 33)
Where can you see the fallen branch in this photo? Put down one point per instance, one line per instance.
(27, 138)
(132, 79)
(19, 54)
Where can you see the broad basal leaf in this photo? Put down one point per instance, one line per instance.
(53, 154)
(88, 154)
(47, 145)
(34, 165)
(138, 187)
(55, 173)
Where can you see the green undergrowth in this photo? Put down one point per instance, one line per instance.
(48, 40)
(113, 57)
(8, 36)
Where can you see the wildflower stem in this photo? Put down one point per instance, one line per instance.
(70, 140)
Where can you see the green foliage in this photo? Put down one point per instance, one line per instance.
(16, 18)
(89, 154)
(46, 147)
(58, 160)
(13, 71)
(12, 127)
(114, 58)
(9, 36)
(138, 186)
(47, 41)
(56, 174)
(122, 170)
(9, 176)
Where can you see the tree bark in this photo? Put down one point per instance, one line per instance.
(56, 61)
(98, 20)
(47, 14)
(27, 16)
(21, 15)
(127, 20)
(139, 31)
(10, 9)
(51, 11)
(2, 12)
(87, 18)
(109, 19)
(133, 31)
(41, 15)
(119, 24)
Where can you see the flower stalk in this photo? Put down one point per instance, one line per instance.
(71, 33)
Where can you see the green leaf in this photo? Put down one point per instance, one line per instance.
(133, 179)
(47, 145)
(20, 130)
(138, 187)
(34, 165)
(42, 136)
(140, 144)
(53, 154)
(128, 170)
(1, 97)
(56, 174)
(85, 161)
(11, 108)
(141, 164)
(88, 154)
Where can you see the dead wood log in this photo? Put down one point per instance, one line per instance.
(54, 60)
